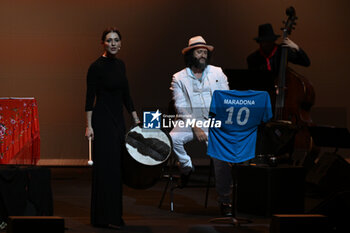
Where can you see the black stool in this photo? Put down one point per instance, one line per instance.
(171, 182)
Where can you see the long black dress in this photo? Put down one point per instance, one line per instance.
(108, 86)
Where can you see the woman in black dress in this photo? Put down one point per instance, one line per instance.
(107, 92)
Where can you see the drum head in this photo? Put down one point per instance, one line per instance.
(148, 146)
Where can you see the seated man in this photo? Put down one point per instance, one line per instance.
(192, 90)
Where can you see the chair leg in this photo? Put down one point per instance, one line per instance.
(172, 196)
(169, 183)
(164, 193)
(208, 183)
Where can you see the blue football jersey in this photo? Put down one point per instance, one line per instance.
(240, 113)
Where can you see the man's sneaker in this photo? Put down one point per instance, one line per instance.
(226, 209)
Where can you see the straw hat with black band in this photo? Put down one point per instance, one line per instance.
(197, 42)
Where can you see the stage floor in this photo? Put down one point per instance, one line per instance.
(71, 193)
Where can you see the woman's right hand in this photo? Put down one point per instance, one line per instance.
(89, 132)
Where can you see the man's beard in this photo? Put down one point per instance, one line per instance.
(200, 65)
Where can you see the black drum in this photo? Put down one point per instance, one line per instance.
(146, 152)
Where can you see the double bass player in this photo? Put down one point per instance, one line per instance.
(268, 56)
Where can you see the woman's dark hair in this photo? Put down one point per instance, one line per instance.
(108, 30)
(190, 59)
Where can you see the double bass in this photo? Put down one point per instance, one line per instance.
(295, 95)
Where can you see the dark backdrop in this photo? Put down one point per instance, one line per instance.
(47, 46)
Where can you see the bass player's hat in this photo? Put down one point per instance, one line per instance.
(266, 33)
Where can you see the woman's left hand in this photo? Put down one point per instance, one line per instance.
(136, 118)
(137, 121)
